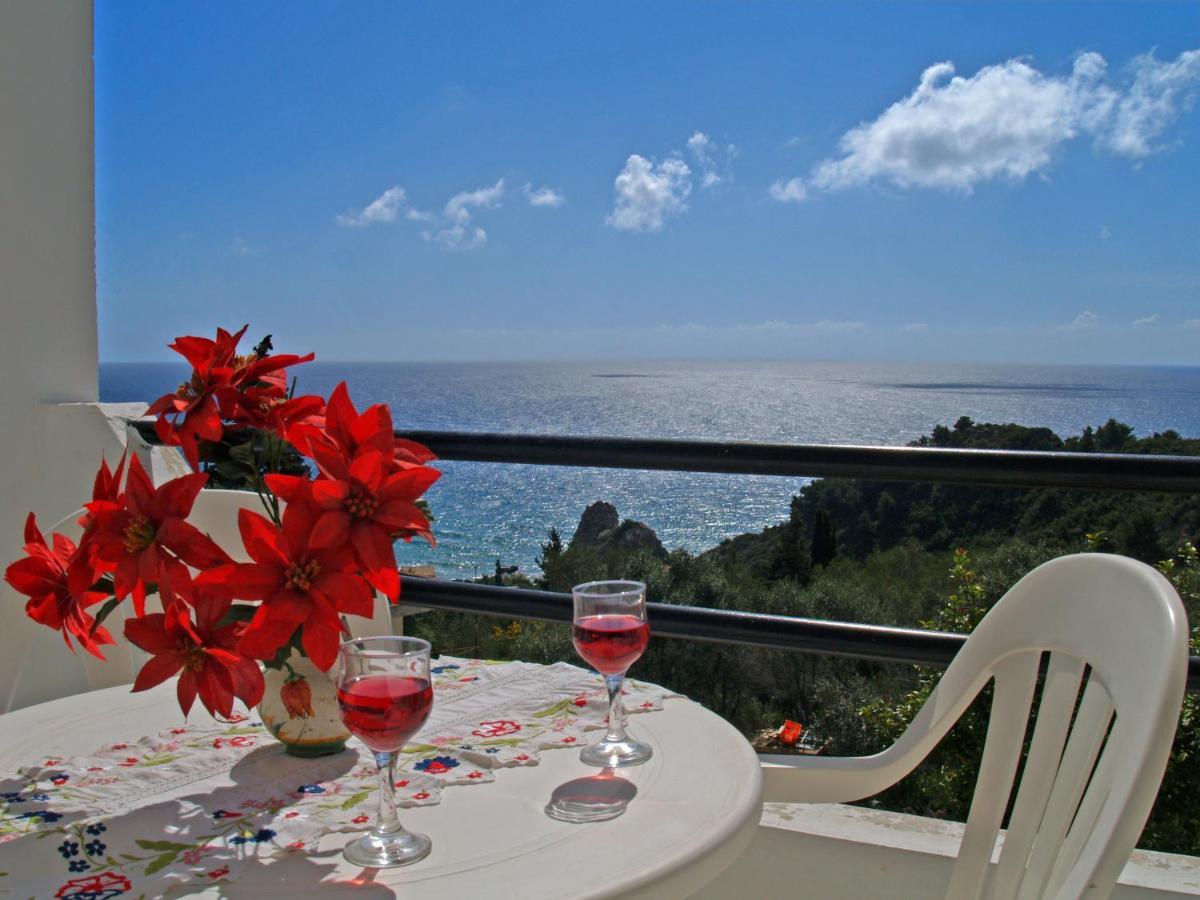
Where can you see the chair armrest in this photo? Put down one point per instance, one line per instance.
(827, 779)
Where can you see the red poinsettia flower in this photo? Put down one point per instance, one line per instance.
(191, 414)
(365, 505)
(300, 585)
(107, 484)
(194, 411)
(205, 650)
(145, 533)
(106, 487)
(266, 406)
(42, 576)
(372, 430)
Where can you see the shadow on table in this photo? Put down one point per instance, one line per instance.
(269, 765)
(297, 875)
(183, 832)
(595, 798)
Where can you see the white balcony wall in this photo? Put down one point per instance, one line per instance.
(856, 853)
(52, 434)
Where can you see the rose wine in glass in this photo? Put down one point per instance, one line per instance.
(384, 696)
(610, 634)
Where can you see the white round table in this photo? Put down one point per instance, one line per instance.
(697, 805)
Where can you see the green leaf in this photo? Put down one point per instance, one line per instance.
(160, 760)
(280, 658)
(161, 845)
(109, 605)
(161, 862)
(239, 612)
(243, 453)
(355, 799)
(561, 706)
(413, 749)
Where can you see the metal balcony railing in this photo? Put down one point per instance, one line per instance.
(1002, 468)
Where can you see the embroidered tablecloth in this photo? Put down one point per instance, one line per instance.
(195, 803)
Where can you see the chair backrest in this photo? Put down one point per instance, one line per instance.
(214, 512)
(1116, 637)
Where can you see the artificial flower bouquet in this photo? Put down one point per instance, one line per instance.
(314, 558)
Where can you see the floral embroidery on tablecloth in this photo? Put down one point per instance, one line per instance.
(199, 802)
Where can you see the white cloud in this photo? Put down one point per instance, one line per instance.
(824, 326)
(709, 158)
(1191, 323)
(242, 247)
(1149, 320)
(914, 327)
(790, 191)
(457, 237)
(544, 196)
(700, 146)
(1085, 321)
(1160, 90)
(383, 209)
(458, 232)
(416, 215)
(458, 208)
(1105, 232)
(1006, 122)
(770, 327)
(648, 193)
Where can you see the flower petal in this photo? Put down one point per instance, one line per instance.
(262, 540)
(157, 670)
(331, 529)
(149, 633)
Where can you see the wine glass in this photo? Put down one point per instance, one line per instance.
(611, 633)
(384, 696)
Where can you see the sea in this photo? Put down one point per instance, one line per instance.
(487, 512)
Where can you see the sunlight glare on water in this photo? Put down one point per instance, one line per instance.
(486, 511)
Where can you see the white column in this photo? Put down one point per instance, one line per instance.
(49, 444)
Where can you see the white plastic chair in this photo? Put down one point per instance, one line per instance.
(215, 512)
(1113, 628)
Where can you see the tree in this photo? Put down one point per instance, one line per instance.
(888, 524)
(824, 539)
(789, 559)
(552, 551)
(1112, 436)
(1137, 536)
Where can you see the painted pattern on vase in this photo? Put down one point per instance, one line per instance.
(299, 707)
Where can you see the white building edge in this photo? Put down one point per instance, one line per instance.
(55, 431)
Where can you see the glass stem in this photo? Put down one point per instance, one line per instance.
(388, 822)
(616, 709)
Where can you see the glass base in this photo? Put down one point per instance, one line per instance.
(616, 754)
(387, 851)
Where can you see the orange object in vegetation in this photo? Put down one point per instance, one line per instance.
(790, 733)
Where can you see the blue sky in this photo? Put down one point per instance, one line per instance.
(667, 180)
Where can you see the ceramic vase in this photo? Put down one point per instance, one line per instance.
(299, 707)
